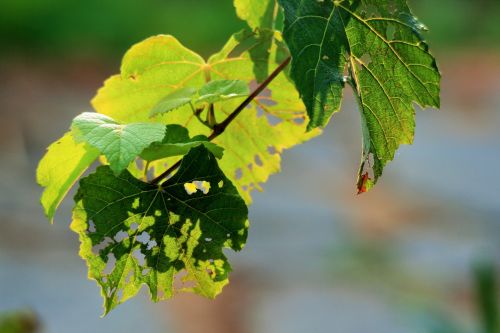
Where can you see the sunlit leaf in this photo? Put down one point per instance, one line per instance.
(65, 161)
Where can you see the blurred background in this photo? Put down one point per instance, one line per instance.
(417, 254)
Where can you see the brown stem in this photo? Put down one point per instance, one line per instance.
(220, 128)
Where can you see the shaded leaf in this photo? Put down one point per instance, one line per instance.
(261, 17)
(65, 161)
(133, 233)
(178, 143)
(258, 14)
(173, 101)
(222, 90)
(121, 144)
(380, 46)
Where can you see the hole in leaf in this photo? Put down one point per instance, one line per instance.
(299, 121)
(144, 238)
(203, 186)
(91, 226)
(258, 161)
(221, 184)
(271, 150)
(128, 279)
(119, 295)
(238, 174)
(260, 111)
(152, 244)
(139, 256)
(267, 101)
(273, 120)
(96, 249)
(121, 235)
(110, 264)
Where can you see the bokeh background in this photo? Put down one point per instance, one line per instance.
(403, 258)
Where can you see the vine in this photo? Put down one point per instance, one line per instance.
(157, 120)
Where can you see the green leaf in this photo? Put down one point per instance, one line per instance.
(150, 70)
(178, 143)
(121, 144)
(258, 14)
(261, 17)
(65, 161)
(222, 90)
(379, 43)
(133, 233)
(173, 101)
(253, 143)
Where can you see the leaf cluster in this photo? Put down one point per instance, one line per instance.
(183, 141)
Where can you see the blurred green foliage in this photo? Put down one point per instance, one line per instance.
(19, 322)
(106, 28)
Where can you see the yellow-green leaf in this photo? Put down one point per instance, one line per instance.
(275, 121)
(65, 161)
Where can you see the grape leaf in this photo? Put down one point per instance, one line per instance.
(173, 101)
(258, 14)
(178, 143)
(121, 144)
(222, 90)
(150, 70)
(133, 233)
(261, 17)
(65, 161)
(252, 144)
(380, 45)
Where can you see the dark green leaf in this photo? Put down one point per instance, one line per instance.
(377, 47)
(134, 234)
(178, 143)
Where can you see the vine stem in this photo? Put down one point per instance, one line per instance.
(220, 128)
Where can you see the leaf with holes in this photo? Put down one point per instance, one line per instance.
(178, 143)
(222, 90)
(378, 48)
(167, 237)
(173, 101)
(252, 145)
(65, 161)
(121, 144)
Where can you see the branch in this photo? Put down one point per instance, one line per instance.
(220, 128)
